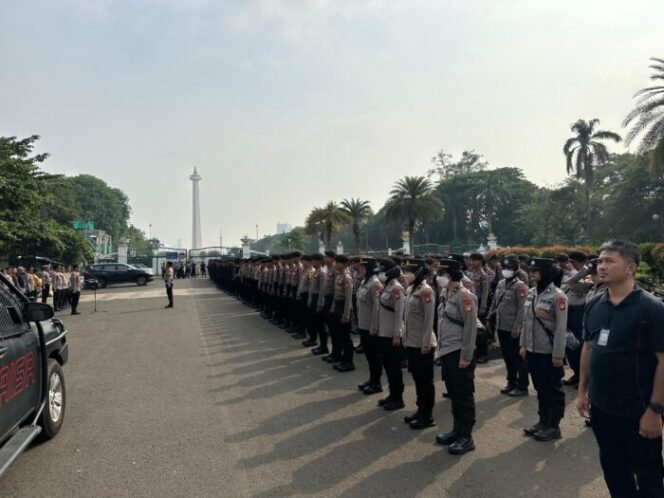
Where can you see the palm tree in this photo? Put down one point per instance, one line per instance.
(648, 118)
(357, 211)
(412, 200)
(584, 152)
(325, 221)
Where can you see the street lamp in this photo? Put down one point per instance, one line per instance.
(657, 217)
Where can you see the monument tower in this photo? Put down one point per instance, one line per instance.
(196, 212)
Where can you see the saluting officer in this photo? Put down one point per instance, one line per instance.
(506, 313)
(367, 325)
(420, 343)
(457, 331)
(543, 345)
(341, 312)
(389, 306)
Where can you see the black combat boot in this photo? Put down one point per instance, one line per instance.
(462, 445)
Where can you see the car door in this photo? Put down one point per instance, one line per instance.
(124, 273)
(20, 369)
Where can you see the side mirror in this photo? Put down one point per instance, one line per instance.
(38, 312)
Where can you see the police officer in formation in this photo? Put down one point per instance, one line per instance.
(430, 311)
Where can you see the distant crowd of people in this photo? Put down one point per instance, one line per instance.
(187, 269)
(61, 283)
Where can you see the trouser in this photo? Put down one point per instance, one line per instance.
(169, 293)
(46, 289)
(75, 296)
(547, 380)
(629, 461)
(317, 328)
(460, 384)
(481, 342)
(517, 370)
(575, 324)
(328, 325)
(56, 299)
(346, 347)
(302, 312)
(287, 306)
(421, 368)
(370, 347)
(391, 356)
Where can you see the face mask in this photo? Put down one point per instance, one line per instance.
(507, 273)
(442, 281)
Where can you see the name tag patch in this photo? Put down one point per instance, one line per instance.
(603, 337)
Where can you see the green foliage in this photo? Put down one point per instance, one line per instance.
(357, 212)
(413, 202)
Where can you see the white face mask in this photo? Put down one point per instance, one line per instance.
(507, 273)
(381, 277)
(442, 281)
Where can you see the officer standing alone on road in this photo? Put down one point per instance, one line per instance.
(168, 281)
(74, 289)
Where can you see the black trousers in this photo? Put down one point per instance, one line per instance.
(46, 289)
(342, 331)
(421, 368)
(169, 293)
(460, 384)
(317, 328)
(391, 357)
(547, 380)
(371, 349)
(481, 342)
(517, 369)
(75, 297)
(575, 324)
(302, 312)
(328, 325)
(632, 464)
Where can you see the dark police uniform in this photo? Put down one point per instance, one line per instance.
(623, 341)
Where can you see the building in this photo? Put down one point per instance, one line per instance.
(283, 228)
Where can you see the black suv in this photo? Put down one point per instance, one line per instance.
(115, 273)
(33, 349)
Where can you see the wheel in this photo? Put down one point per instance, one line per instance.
(102, 282)
(54, 412)
(141, 281)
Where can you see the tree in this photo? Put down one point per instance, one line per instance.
(358, 212)
(412, 200)
(445, 167)
(326, 221)
(647, 119)
(585, 151)
(295, 240)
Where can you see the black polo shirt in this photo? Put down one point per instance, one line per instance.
(623, 341)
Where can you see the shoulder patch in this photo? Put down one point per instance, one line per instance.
(467, 303)
(561, 303)
(396, 293)
(427, 295)
(523, 291)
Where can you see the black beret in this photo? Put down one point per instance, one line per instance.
(386, 263)
(450, 264)
(413, 264)
(341, 258)
(306, 257)
(562, 257)
(477, 256)
(577, 256)
(537, 264)
(355, 259)
(524, 257)
(511, 262)
(396, 259)
(296, 254)
(316, 257)
(330, 254)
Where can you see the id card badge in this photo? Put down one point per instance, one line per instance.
(603, 337)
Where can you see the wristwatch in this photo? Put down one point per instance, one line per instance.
(656, 407)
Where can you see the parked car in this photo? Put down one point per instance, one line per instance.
(115, 273)
(33, 350)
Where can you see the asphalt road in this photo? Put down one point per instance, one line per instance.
(208, 399)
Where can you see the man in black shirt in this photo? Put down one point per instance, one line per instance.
(622, 376)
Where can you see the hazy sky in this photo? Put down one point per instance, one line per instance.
(286, 104)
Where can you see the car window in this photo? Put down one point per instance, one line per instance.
(122, 267)
(11, 321)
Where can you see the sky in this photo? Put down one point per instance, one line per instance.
(284, 105)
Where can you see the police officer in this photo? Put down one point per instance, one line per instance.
(46, 283)
(168, 282)
(367, 324)
(74, 289)
(341, 312)
(303, 289)
(457, 331)
(481, 285)
(420, 343)
(390, 303)
(506, 315)
(543, 345)
(316, 291)
(325, 301)
(576, 288)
